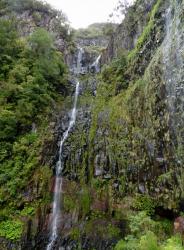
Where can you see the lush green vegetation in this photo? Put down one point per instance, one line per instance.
(127, 119)
(96, 30)
(11, 230)
(147, 234)
(32, 81)
(38, 12)
(146, 32)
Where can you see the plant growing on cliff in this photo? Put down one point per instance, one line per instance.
(28, 211)
(75, 234)
(11, 230)
(9, 49)
(141, 223)
(129, 243)
(146, 32)
(144, 203)
(85, 201)
(114, 74)
(174, 243)
(149, 242)
(113, 231)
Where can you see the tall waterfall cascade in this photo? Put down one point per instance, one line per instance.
(56, 208)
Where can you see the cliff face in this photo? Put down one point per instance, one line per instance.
(125, 152)
(91, 41)
(137, 135)
(31, 15)
(127, 33)
(135, 140)
(101, 42)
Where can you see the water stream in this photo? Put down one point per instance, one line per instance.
(56, 209)
(96, 64)
(58, 182)
(79, 60)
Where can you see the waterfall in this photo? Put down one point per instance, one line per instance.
(59, 166)
(96, 64)
(58, 183)
(173, 57)
(79, 60)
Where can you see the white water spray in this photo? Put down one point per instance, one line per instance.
(96, 64)
(59, 179)
(79, 60)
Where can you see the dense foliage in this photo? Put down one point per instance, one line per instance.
(32, 75)
(148, 234)
(129, 131)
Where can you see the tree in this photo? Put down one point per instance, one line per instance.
(48, 63)
(8, 125)
(9, 48)
(41, 42)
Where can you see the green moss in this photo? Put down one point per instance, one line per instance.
(146, 32)
(114, 74)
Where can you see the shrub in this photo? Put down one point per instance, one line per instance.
(5, 150)
(28, 211)
(121, 245)
(149, 242)
(18, 74)
(11, 230)
(8, 125)
(174, 243)
(130, 243)
(69, 203)
(41, 42)
(85, 200)
(144, 203)
(75, 234)
(113, 231)
(141, 223)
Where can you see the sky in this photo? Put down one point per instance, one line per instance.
(81, 13)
